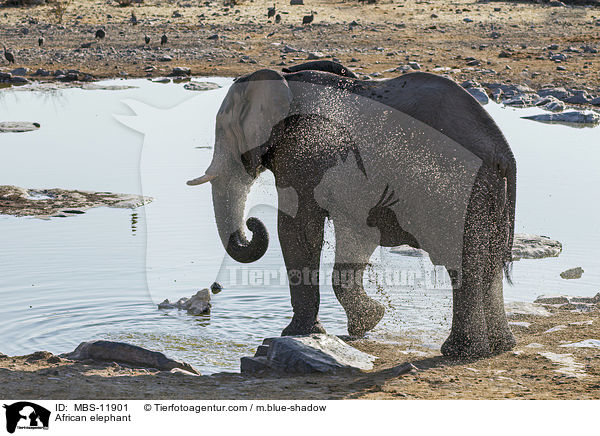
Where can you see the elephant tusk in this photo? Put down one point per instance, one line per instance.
(200, 180)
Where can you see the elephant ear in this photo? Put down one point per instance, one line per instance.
(265, 102)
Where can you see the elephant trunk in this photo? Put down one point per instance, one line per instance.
(229, 200)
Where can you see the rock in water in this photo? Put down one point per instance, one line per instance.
(44, 203)
(216, 288)
(17, 127)
(569, 118)
(109, 351)
(566, 302)
(318, 353)
(527, 246)
(479, 94)
(201, 86)
(573, 273)
(198, 304)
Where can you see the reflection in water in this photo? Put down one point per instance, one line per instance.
(93, 280)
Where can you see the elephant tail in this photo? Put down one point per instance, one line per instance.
(506, 213)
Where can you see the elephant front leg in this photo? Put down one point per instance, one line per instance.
(301, 240)
(353, 251)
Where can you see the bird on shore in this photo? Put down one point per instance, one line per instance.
(133, 20)
(146, 39)
(41, 40)
(164, 39)
(8, 55)
(307, 19)
(100, 34)
(277, 18)
(271, 12)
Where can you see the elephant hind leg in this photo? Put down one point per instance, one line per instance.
(479, 325)
(500, 337)
(499, 334)
(469, 334)
(352, 257)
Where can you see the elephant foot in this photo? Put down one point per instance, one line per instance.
(365, 318)
(502, 342)
(297, 328)
(466, 347)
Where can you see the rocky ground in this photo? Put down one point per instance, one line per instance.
(542, 366)
(61, 203)
(536, 45)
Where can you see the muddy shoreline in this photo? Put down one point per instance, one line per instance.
(543, 365)
(537, 45)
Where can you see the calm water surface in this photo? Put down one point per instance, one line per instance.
(101, 274)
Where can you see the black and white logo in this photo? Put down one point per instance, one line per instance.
(26, 415)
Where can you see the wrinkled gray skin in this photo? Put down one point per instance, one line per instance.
(301, 150)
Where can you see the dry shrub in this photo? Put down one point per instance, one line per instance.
(58, 9)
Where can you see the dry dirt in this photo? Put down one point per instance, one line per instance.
(510, 41)
(527, 372)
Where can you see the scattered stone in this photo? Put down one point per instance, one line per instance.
(18, 126)
(414, 65)
(523, 324)
(165, 58)
(290, 49)
(201, 86)
(567, 364)
(109, 351)
(296, 2)
(527, 246)
(556, 329)
(521, 308)
(479, 94)
(314, 55)
(578, 118)
(521, 100)
(559, 299)
(534, 345)
(216, 287)
(587, 343)
(38, 355)
(180, 71)
(318, 353)
(559, 93)
(19, 71)
(571, 274)
(41, 72)
(97, 87)
(550, 103)
(404, 368)
(45, 203)
(213, 37)
(179, 371)
(578, 97)
(198, 304)
(565, 302)
(18, 80)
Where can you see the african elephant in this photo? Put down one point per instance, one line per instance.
(412, 160)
